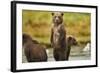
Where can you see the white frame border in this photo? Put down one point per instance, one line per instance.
(21, 66)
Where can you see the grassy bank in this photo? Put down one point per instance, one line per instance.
(38, 25)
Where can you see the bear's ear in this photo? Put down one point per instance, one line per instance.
(69, 38)
(52, 13)
(62, 14)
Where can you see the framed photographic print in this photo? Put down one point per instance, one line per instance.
(47, 36)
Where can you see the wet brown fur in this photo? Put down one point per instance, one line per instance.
(34, 51)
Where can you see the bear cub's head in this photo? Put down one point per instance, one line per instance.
(57, 18)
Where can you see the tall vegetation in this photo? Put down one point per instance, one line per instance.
(38, 25)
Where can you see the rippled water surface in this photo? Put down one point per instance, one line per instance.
(76, 54)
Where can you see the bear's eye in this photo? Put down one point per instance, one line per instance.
(59, 17)
(55, 17)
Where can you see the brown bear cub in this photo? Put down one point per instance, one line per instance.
(70, 41)
(34, 52)
(58, 37)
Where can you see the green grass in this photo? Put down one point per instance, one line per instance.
(38, 25)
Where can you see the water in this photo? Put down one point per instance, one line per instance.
(76, 54)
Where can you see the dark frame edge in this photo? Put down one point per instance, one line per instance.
(96, 36)
(13, 36)
(55, 4)
(57, 68)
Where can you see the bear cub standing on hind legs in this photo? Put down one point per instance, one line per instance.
(58, 37)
